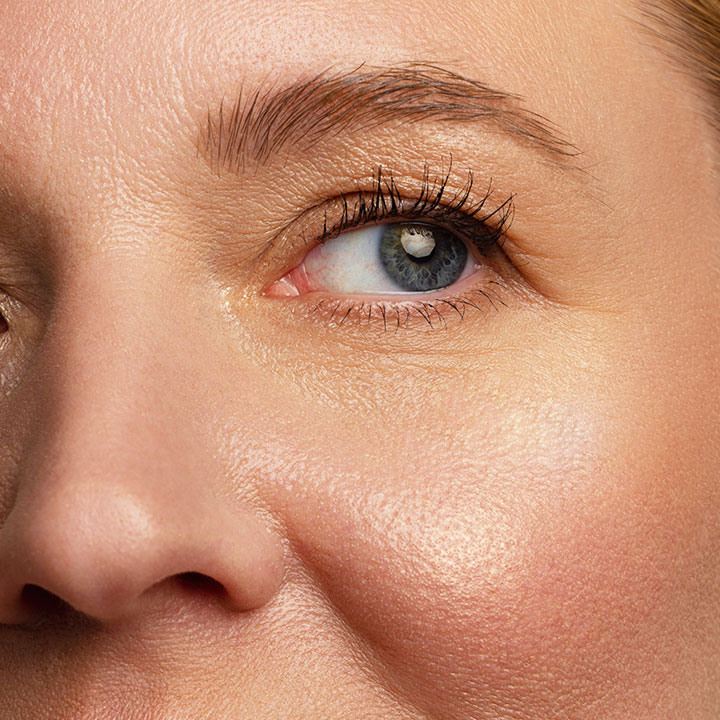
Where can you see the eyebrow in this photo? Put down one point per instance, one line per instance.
(268, 122)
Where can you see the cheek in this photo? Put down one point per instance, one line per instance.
(505, 567)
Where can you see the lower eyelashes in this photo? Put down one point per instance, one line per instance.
(434, 311)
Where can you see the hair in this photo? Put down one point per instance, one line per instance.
(690, 33)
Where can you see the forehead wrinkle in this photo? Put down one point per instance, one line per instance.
(267, 122)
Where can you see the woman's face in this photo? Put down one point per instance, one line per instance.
(228, 490)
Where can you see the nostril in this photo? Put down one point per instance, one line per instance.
(43, 604)
(45, 610)
(199, 587)
(199, 584)
(44, 607)
(40, 600)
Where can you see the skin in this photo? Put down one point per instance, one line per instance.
(514, 516)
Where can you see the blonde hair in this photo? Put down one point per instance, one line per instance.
(689, 31)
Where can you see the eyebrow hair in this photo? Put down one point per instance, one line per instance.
(268, 122)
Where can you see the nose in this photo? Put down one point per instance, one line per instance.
(117, 494)
(103, 549)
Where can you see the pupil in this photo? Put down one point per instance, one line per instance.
(442, 267)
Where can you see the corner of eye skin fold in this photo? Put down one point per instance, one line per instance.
(284, 287)
(545, 282)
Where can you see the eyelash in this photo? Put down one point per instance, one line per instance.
(463, 216)
(385, 201)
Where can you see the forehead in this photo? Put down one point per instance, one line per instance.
(136, 71)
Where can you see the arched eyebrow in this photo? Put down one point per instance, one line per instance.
(268, 122)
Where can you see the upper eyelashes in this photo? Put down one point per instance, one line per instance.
(467, 217)
(426, 250)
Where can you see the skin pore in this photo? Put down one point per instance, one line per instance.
(220, 502)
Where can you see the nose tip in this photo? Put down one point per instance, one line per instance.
(103, 552)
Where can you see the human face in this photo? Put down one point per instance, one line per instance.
(227, 494)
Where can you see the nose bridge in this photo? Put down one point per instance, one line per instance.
(115, 432)
(118, 331)
(126, 343)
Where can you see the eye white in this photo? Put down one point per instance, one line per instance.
(351, 262)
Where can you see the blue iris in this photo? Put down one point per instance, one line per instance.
(442, 267)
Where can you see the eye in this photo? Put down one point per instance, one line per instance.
(400, 257)
(389, 260)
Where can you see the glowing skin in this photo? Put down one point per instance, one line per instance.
(216, 503)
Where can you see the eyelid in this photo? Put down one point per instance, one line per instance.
(439, 200)
(421, 311)
(482, 222)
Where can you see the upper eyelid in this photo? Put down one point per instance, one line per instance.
(410, 187)
(458, 210)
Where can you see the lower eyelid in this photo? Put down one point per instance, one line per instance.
(420, 311)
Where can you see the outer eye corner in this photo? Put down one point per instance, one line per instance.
(4, 322)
